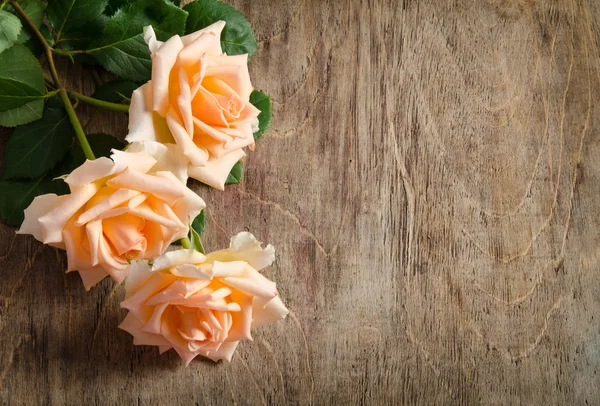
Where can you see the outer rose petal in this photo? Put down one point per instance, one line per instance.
(163, 60)
(216, 170)
(40, 206)
(265, 311)
(215, 28)
(245, 247)
(144, 125)
(168, 157)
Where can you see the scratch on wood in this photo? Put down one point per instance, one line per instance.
(308, 366)
(305, 230)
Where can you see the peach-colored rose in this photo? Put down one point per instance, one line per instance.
(202, 305)
(118, 210)
(198, 98)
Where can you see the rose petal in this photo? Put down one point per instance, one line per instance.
(163, 61)
(265, 311)
(168, 157)
(144, 125)
(197, 155)
(216, 171)
(38, 207)
(54, 221)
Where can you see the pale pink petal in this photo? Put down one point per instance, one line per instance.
(197, 155)
(150, 39)
(114, 200)
(184, 102)
(139, 274)
(190, 205)
(168, 157)
(40, 206)
(245, 247)
(163, 60)
(178, 257)
(53, 222)
(252, 282)
(265, 311)
(145, 125)
(138, 162)
(134, 327)
(242, 320)
(215, 171)
(225, 352)
(151, 184)
(153, 324)
(215, 28)
(90, 171)
(92, 276)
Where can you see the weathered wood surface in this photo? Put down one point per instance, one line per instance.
(432, 183)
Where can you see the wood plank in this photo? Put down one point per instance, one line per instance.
(430, 182)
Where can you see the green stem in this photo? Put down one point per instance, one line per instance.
(62, 92)
(67, 53)
(186, 243)
(51, 94)
(99, 103)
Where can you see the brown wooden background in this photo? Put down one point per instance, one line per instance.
(431, 182)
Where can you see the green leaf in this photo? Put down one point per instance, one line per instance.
(68, 15)
(101, 145)
(35, 148)
(81, 38)
(22, 115)
(11, 28)
(199, 223)
(114, 5)
(115, 91)
(196, 230)
(121, 48)
(21, 78)
(34, 45)
(16, 196)
(35, 11)
(235, 176)
(262, 102)
(236, 38)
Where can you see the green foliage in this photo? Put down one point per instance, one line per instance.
(100, 143)
(34, 45)
(21, 78)
(17, 195)
(82, 37)
(22, 115)
(121, 48)
(35, 10)
(115, 91)
(235, 176)
(11, 28)
(199, 223)
(196, 230)
(262, 102)
(237, 37)
(68, 15)
(35, 148)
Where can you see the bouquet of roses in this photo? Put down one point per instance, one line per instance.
(124, 210)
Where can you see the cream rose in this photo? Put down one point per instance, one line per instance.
(118, 210)
(199, 99)
(202, 305)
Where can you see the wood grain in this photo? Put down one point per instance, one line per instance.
(431, 183)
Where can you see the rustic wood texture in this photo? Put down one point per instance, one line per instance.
(431, 182)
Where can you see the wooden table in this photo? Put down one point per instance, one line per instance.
(431, 183)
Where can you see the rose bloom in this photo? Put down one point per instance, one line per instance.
(199, 99)
(202, 305)
(118, 210)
